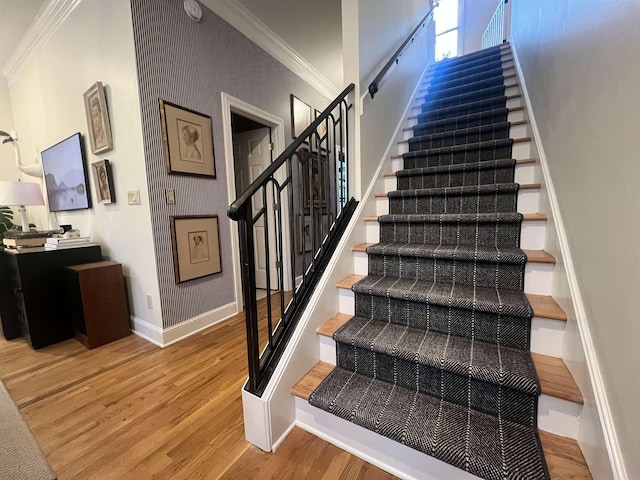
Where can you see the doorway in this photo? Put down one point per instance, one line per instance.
(256, 138)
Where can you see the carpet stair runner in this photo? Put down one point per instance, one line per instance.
(437, 355)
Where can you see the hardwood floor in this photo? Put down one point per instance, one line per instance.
(131, 410)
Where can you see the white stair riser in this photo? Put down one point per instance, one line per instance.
(547, 336)
(532, 234)
(346, 301)
(516, 116)
(521, 150)
(538, 278)
(555, 415)
(527, 202)
(519, 131)
(514, 102)
(526, 173)
(513, 90)
(360, 263)
(558, 416)
(390, 183)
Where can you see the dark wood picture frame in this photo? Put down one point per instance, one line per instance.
(103, 181)
(195, 241)
(318, 163)
(188, 141)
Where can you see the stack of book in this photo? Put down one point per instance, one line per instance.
(58, 243)
(24, 242)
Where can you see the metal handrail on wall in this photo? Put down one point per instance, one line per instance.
(395, 58)
(294, 213)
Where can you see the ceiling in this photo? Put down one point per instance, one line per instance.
(317, 38)
(15, 18)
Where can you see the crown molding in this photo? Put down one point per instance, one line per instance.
(251, 27)
(46, 22)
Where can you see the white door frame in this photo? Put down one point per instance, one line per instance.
(234, 105)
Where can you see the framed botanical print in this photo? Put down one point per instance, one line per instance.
(95, 107)
(188, 141)
(103, 181)
(196, 246)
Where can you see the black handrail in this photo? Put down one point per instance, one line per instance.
(293, 214)
(373, 86)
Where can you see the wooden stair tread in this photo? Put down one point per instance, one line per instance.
(555, 378)
(424, 96)
(329, 327)
(563, 455)
(539, 256)
(307, 384)
(545, 306)
(348, 282)
(361, 247)
(511, 109)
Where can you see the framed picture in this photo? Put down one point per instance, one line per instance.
(322, 128)
(300, 116)
(304, 233)
(188, 141)
(103, 181)
(196, 246)
(95, 107)
(317, 166)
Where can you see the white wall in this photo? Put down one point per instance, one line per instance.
(580, 63)
(8, 170)
(94, 43)
(475, 18)
(382, 27)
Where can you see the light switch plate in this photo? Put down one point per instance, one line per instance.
(134, 197)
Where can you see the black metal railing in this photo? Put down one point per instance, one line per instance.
(374, 86)
(290, 220)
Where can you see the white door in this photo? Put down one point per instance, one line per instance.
(252, 156)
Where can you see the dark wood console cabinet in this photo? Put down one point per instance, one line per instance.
(98, 298)
(34, 301)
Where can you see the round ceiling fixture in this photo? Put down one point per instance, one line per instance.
(193, 9)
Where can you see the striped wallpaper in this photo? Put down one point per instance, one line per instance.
(189, 64)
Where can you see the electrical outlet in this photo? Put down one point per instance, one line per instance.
(133, 197)
(149, 302)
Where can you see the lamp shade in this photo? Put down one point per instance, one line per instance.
(20, 193)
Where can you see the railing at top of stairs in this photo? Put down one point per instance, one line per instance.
(290, 220)
(498, 29)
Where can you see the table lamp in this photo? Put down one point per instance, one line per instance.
(20, 194)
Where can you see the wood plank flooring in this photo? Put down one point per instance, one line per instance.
(131, 410)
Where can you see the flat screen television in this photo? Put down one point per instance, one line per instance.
(65, 175)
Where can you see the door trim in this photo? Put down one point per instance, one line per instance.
(234, 105)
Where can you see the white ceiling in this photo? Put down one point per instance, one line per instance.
(16, 17)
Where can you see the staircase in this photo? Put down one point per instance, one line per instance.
(444, 358)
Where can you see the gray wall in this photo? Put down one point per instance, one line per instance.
(475, 18)
(189, 64)
(580, 63)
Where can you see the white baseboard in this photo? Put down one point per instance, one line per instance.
(165, 337)
(200, 322)
(595, 375)
(148, 331)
